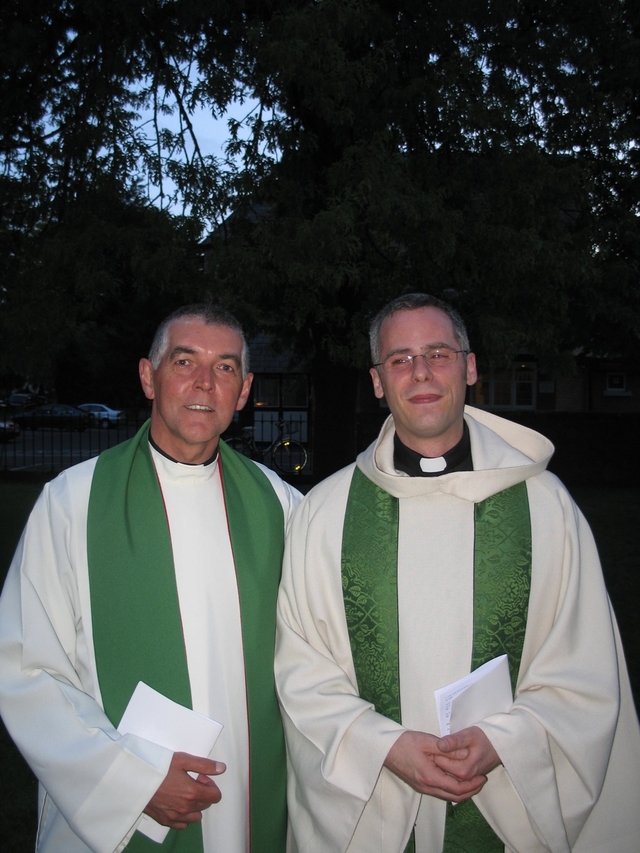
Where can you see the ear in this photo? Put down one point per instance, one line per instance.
(244, 394)
(145, 369)
(378, 390)
(472, 371)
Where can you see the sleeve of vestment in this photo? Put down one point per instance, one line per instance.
(98, 781)
(563, 743)
(288, 496)
(337, 743)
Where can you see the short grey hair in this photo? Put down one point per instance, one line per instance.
(411, 302)
(210, 315)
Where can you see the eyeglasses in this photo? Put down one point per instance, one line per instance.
(437, 357)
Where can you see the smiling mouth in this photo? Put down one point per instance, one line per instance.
(424, 398)
(196, 408)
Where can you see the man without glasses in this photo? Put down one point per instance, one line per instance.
(446, 545)
(158, 562)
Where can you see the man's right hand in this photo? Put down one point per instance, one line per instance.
(181, 799)
(412, 759)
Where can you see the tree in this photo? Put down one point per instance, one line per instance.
(483, 152)
(486, 152)
(86, 221)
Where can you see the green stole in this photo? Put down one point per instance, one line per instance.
(502, 575)
(137, 629)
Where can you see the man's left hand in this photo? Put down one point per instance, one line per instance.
(482, 757)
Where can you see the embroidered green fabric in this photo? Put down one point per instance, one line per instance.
(500, 605)
(369, 578)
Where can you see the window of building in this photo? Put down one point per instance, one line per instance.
(282, 395)
(266, 392)
(616, 385)
(511, 388)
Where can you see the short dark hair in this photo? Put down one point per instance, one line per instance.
(411, 302)
(210, 315)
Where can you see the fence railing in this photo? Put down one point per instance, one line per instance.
(50, 449)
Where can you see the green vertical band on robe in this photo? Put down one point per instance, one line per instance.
(502, 581)
(369, 578)
(370, 592)
(256, 523)
(137, 629)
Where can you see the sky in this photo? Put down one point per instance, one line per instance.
(212, 134)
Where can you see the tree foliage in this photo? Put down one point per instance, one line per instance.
(484, 151)
(87, 225)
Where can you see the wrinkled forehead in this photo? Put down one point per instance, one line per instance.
(194, 333)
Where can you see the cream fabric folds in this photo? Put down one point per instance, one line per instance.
(53, 667)
(209, 605)
(98, 781)
(571, 712)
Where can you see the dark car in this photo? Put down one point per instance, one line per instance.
(55, 416)
(22, 400)
(8, 428)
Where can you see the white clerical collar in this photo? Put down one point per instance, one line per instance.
(458, 458)
(433, 465)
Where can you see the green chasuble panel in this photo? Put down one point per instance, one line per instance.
(502, 581)
(256, 522)
(136, 617)
(502, 571)
(370, 590)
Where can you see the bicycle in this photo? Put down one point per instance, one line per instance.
(287, 454)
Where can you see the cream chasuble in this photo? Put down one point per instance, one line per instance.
(210, 612)
(94, 784)
(570, 744)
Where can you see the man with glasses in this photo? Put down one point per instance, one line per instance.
(446, 545)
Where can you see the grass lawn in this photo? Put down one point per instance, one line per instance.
(614, 515)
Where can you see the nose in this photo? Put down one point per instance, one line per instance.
(203, 379)
(421, 369)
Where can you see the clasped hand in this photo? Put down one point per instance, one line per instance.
(181, 799)
(452, 768)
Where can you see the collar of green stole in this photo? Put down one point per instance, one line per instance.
(502, 573)
(137, 630)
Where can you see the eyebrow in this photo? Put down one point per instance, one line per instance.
(185, 350)
(232, 356)
(436, 345)
(181, 350)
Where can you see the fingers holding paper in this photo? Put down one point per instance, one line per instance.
(413, 759)
(181, 799)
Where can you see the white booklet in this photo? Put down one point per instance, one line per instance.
(485, 691)
(154, 717)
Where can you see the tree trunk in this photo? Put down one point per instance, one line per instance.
(334, 394)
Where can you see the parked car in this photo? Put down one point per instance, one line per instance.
(21, 400)
(8, 429)
(54, 415)
(103, 415)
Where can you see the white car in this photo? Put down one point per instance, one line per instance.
(103, 415)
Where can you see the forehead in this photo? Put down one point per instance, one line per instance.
(197, 335)
(416, 328)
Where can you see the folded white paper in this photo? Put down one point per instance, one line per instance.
(485, 691)
(154, 717)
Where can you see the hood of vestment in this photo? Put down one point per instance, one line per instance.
(504, 453)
